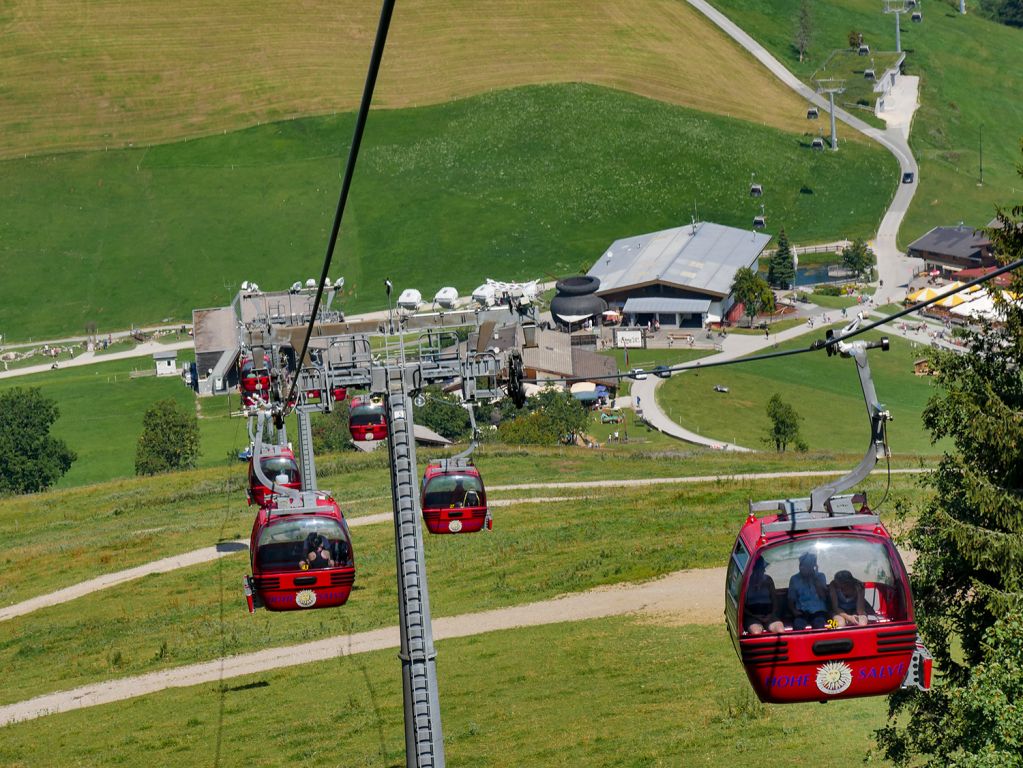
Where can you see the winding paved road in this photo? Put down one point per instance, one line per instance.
(894, 269)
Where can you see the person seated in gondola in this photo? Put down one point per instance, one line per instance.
(316, 553)
(847, 604)
(808, 595)
(762, 609)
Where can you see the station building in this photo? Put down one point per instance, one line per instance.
(680, 277)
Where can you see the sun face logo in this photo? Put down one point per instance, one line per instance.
(307, 599)
(455, 526)
(834, 677)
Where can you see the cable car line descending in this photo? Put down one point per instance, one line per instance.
(386, 12)
(827, 343)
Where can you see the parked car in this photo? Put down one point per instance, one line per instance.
(907, 177)
(637, 373)
(662, 371)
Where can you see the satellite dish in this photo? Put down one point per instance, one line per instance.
(296, 286)
(420, 401)
(310, 283)
(245, 285)
(339, 283)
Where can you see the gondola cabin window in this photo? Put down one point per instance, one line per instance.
(449, 491)
(285, 544)
(866, 561)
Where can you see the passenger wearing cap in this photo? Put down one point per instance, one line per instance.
(847, 604)
(808, 595)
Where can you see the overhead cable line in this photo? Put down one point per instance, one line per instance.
(817, 345)
(346, 183)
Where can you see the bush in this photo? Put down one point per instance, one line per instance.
(169, 439)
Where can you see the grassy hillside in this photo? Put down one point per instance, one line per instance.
(525, 183)
(971, 74)
(825, 391)
(80, 74)
(624, 692)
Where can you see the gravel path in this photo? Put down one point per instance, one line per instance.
(684, 597)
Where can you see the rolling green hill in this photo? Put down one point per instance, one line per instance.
(526, 183)
(83, 74)
(971, 76)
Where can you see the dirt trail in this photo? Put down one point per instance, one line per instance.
(684, 597)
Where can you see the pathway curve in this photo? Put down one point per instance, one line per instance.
(206, 554)
(686, 597)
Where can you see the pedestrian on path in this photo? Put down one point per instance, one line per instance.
(767, 333)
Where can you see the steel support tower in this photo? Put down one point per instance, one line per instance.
(831, 86)
(896, 8)
(348, 360)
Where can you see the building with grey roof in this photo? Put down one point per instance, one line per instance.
(950, 249)
(678, 277)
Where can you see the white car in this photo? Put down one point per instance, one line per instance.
(637, 373)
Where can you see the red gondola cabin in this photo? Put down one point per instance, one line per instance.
(454, 499)
(300, 560)
(819, 608)
(280, 467)
(254, 381)
(367, 419)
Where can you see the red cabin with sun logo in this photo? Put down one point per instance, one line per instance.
(818, 605)
(367, 419)
(453, 498)
(301, 556)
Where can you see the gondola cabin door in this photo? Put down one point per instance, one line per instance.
(822, 613)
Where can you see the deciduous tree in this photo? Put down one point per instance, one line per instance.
(753, 292)
(804, 32)
(30, 458)
(858, 258)
(169, 439)
(784, 425)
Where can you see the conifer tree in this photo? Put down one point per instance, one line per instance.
(968, 577)
(780, 271)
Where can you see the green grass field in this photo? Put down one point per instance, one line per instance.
(110, 526)
(971, 77)
(537, 550)
(101, 410)
(622, 692)
(533, 182)
(112, 73)
(824, 390)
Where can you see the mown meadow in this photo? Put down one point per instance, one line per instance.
(629, 692)
(529, 183)
(825, 392)
(538, 549)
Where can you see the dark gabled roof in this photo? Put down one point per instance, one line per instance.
(961, 242)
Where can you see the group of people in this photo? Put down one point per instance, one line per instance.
(812, 601)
